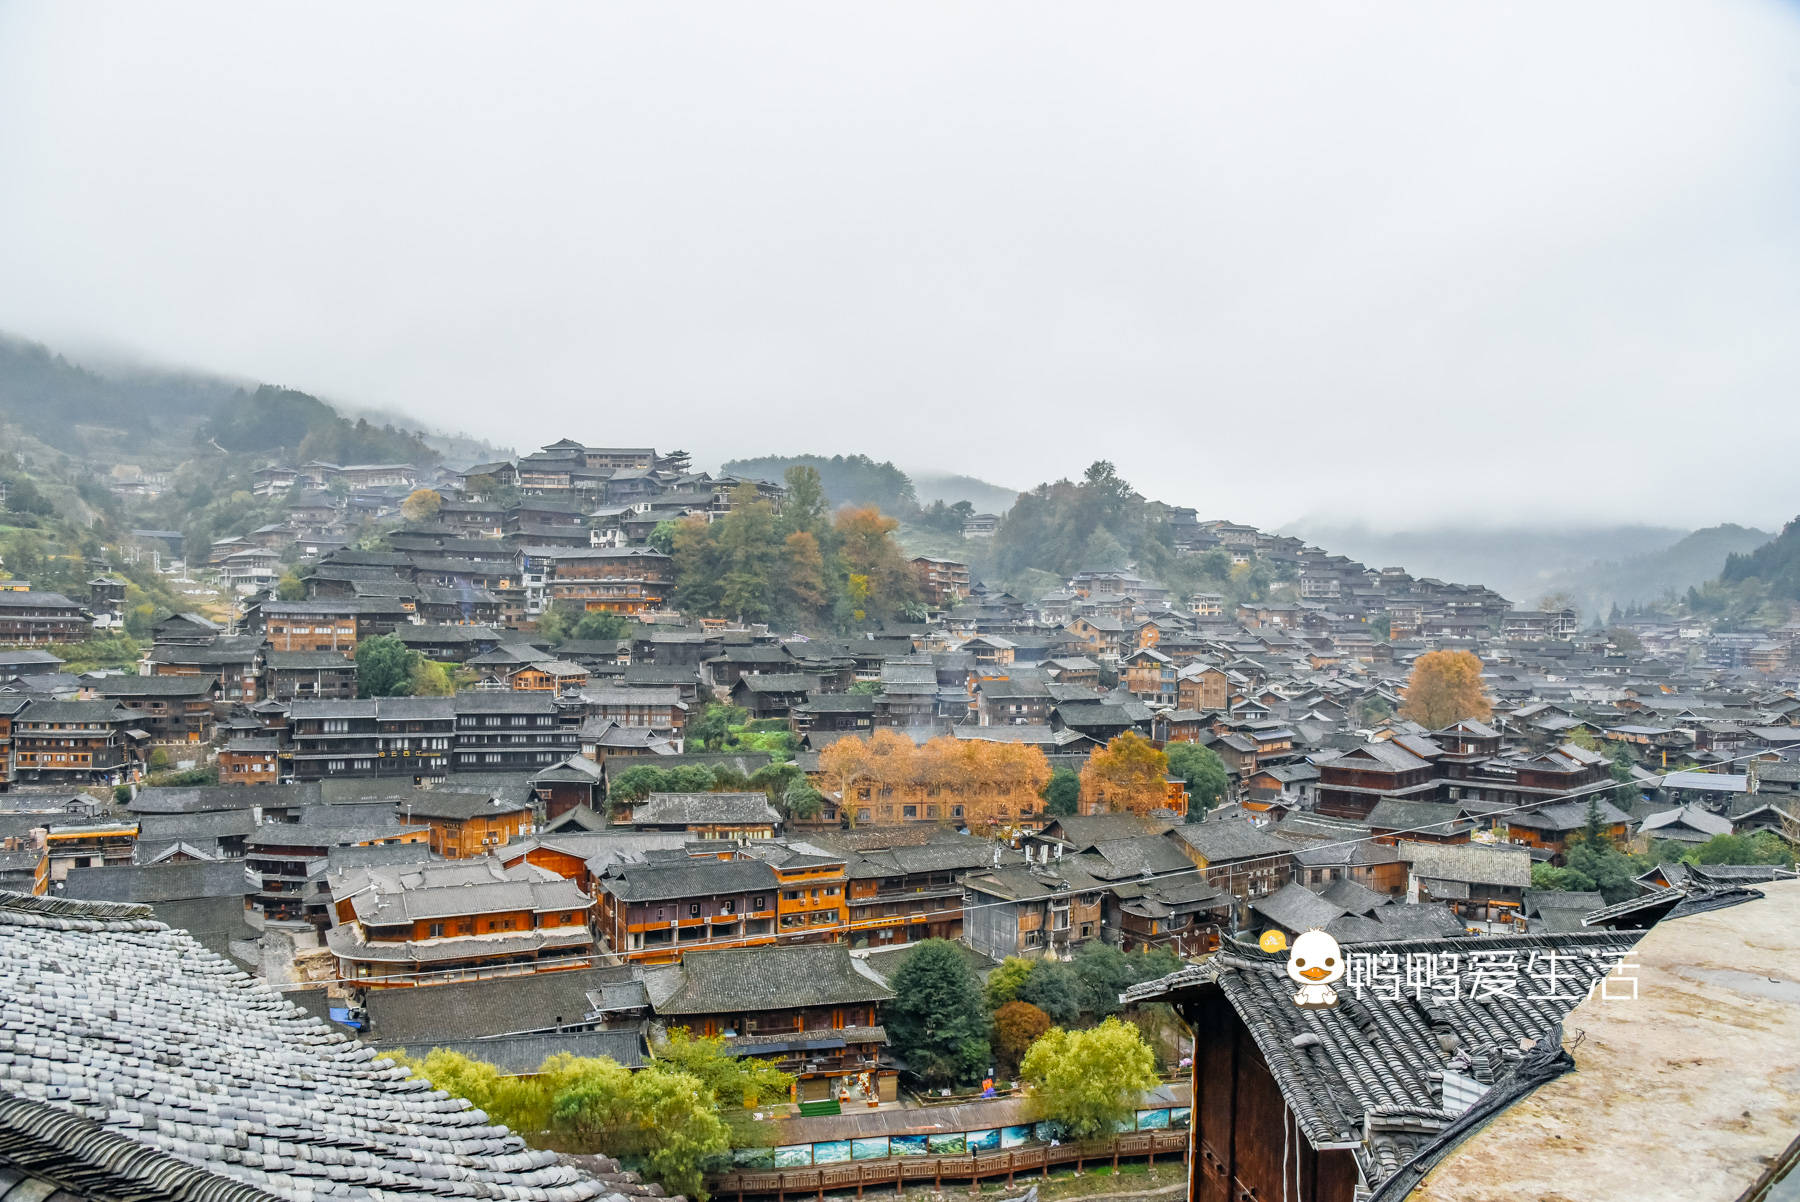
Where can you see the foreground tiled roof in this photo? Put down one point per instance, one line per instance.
(112, 1017)
(1369, 1072)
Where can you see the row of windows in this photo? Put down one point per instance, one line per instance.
(728, 906)
(800, 894)
(466, 926)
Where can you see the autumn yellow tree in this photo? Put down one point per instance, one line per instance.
(803, 573)
(1129, 774)
(982, 784)
(880, 579)
(1445, 688)
(421, 505)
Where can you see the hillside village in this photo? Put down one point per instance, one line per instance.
(573, 751)
(822, 603)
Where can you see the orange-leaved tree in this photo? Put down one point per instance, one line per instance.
(1128, 774)
(1445, 687)
(981, 783)
(881, 580)
(421, 505)
(1017, 1026)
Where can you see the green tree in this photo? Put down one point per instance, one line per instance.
(590, 1100)
(735, 1082)
(673, 1131)
(805, 508)
(801, 800)
(1062, 795)
(1004, 982)
(640, 780)
(1559, 880)
(937, 1022)
(662, 537)
(1622, 763)
(384, 667)
(559, 618)
(1090, 1081)
(1105, 972)
(602, 627)
(1609, 869)
(1370, 711)
(428, 678)
(290, 587)
(1053, 987)
(711, 728)
(748, 554)
(1763, 847)
(1203, 772)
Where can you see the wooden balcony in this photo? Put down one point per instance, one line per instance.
(900, 1171)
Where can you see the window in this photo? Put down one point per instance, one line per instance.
(694, 910)
(437, 930)
(909, 811)
(759, 903)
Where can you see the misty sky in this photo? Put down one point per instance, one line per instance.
(1408, 263)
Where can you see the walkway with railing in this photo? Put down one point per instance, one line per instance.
(902, 1171)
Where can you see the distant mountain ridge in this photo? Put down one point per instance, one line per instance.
(1596, 567)
(80, 411)
(160, 415)
(950, 488)
(1776, 564)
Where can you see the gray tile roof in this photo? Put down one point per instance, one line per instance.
(451, 1013)
(674, 879)
(1371, 1067)
(690, 809)
(156, 686)
(523, 1053)
(458, 806)
(1472, 863)
(48, 1154)
(1434, 818)
(772, 978)
(394, 894)
(1297, 908)
(1223, 841)
(113, 1017)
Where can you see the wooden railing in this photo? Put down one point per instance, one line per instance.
(900, 1171)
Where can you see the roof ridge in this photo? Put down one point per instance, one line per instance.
(84, 1157)
(72, 909)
